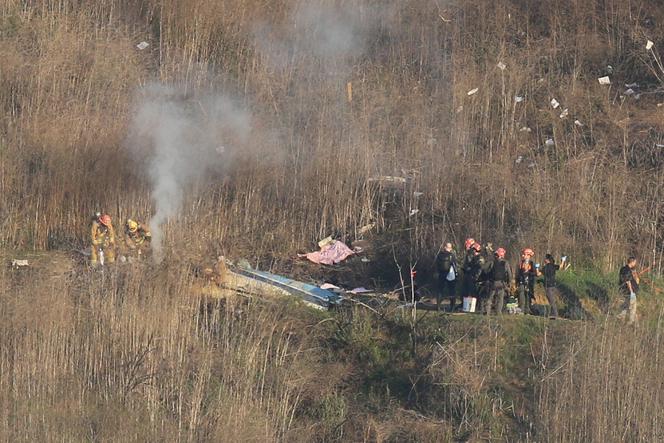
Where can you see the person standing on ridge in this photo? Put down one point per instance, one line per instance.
(472, 269)
(446, 266)
(525, 279)
(500, 277)
(103, 240)
(549, 271)
(629, 286)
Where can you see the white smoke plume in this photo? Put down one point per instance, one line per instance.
(183, 138)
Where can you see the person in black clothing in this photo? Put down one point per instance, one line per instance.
(500, 277)
(472, 269)
(629, 286)
(446, 265)
(549, 271)
(525, 279)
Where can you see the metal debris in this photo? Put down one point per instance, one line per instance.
(473, 91)
(565, 113)
(554, 103)
(142, 45)
(604, 80)
(649, 45)
(501, 66)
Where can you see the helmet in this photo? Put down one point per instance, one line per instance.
(105, 220)
(500, 253)
(132, 225)
(469, 242)
(527, 252)
(477, 247)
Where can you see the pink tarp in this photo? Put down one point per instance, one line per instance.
(330, 254)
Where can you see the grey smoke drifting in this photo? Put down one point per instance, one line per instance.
(185, 138)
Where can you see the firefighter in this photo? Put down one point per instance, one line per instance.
(500, 277)
(525, 279)
(103, 240)
(137, 238)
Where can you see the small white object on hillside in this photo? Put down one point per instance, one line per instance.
(473, 91)
(565, 113)
(649, 45)
(554, 103)
(142, 45)
(519, 99)
(501, 66)
(19, 263)
(578, 123)
(604, 80)
(549, 142)
(525, 129)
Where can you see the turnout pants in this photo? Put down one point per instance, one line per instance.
(109, 254)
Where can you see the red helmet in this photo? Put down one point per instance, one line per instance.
(477, 247)
(500, 253)
(527, 252)
(105, 220)
(469, 242)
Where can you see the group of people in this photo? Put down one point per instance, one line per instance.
(485, 274)
(133, 244)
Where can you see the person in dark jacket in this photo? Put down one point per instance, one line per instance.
(446, 265)
(629, 286)
(500, 277)
(472, 270)
(525, 279)
(549, 272)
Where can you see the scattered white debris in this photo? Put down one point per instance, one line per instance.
(418, 194)
(413, 212)
(565, 113)
(549, 142)
(19, 263)
(604, 80)
(554, 103)
(629, 92)
(540, 80)
(473, 91)
(637, 96)
(360, 290)
(525, 129)
(220, 149)
(609, 69)
(365, 260)
(578, 123)
(519, 159)
(632, 85)
(532, 165)
(142, 45)
(659, 145)
(459, 109)
(649, 45)
(519, 99)
(501, 66)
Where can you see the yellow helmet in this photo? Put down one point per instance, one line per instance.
(132, 225)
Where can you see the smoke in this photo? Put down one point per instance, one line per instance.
(325, 38)
(185, 138)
